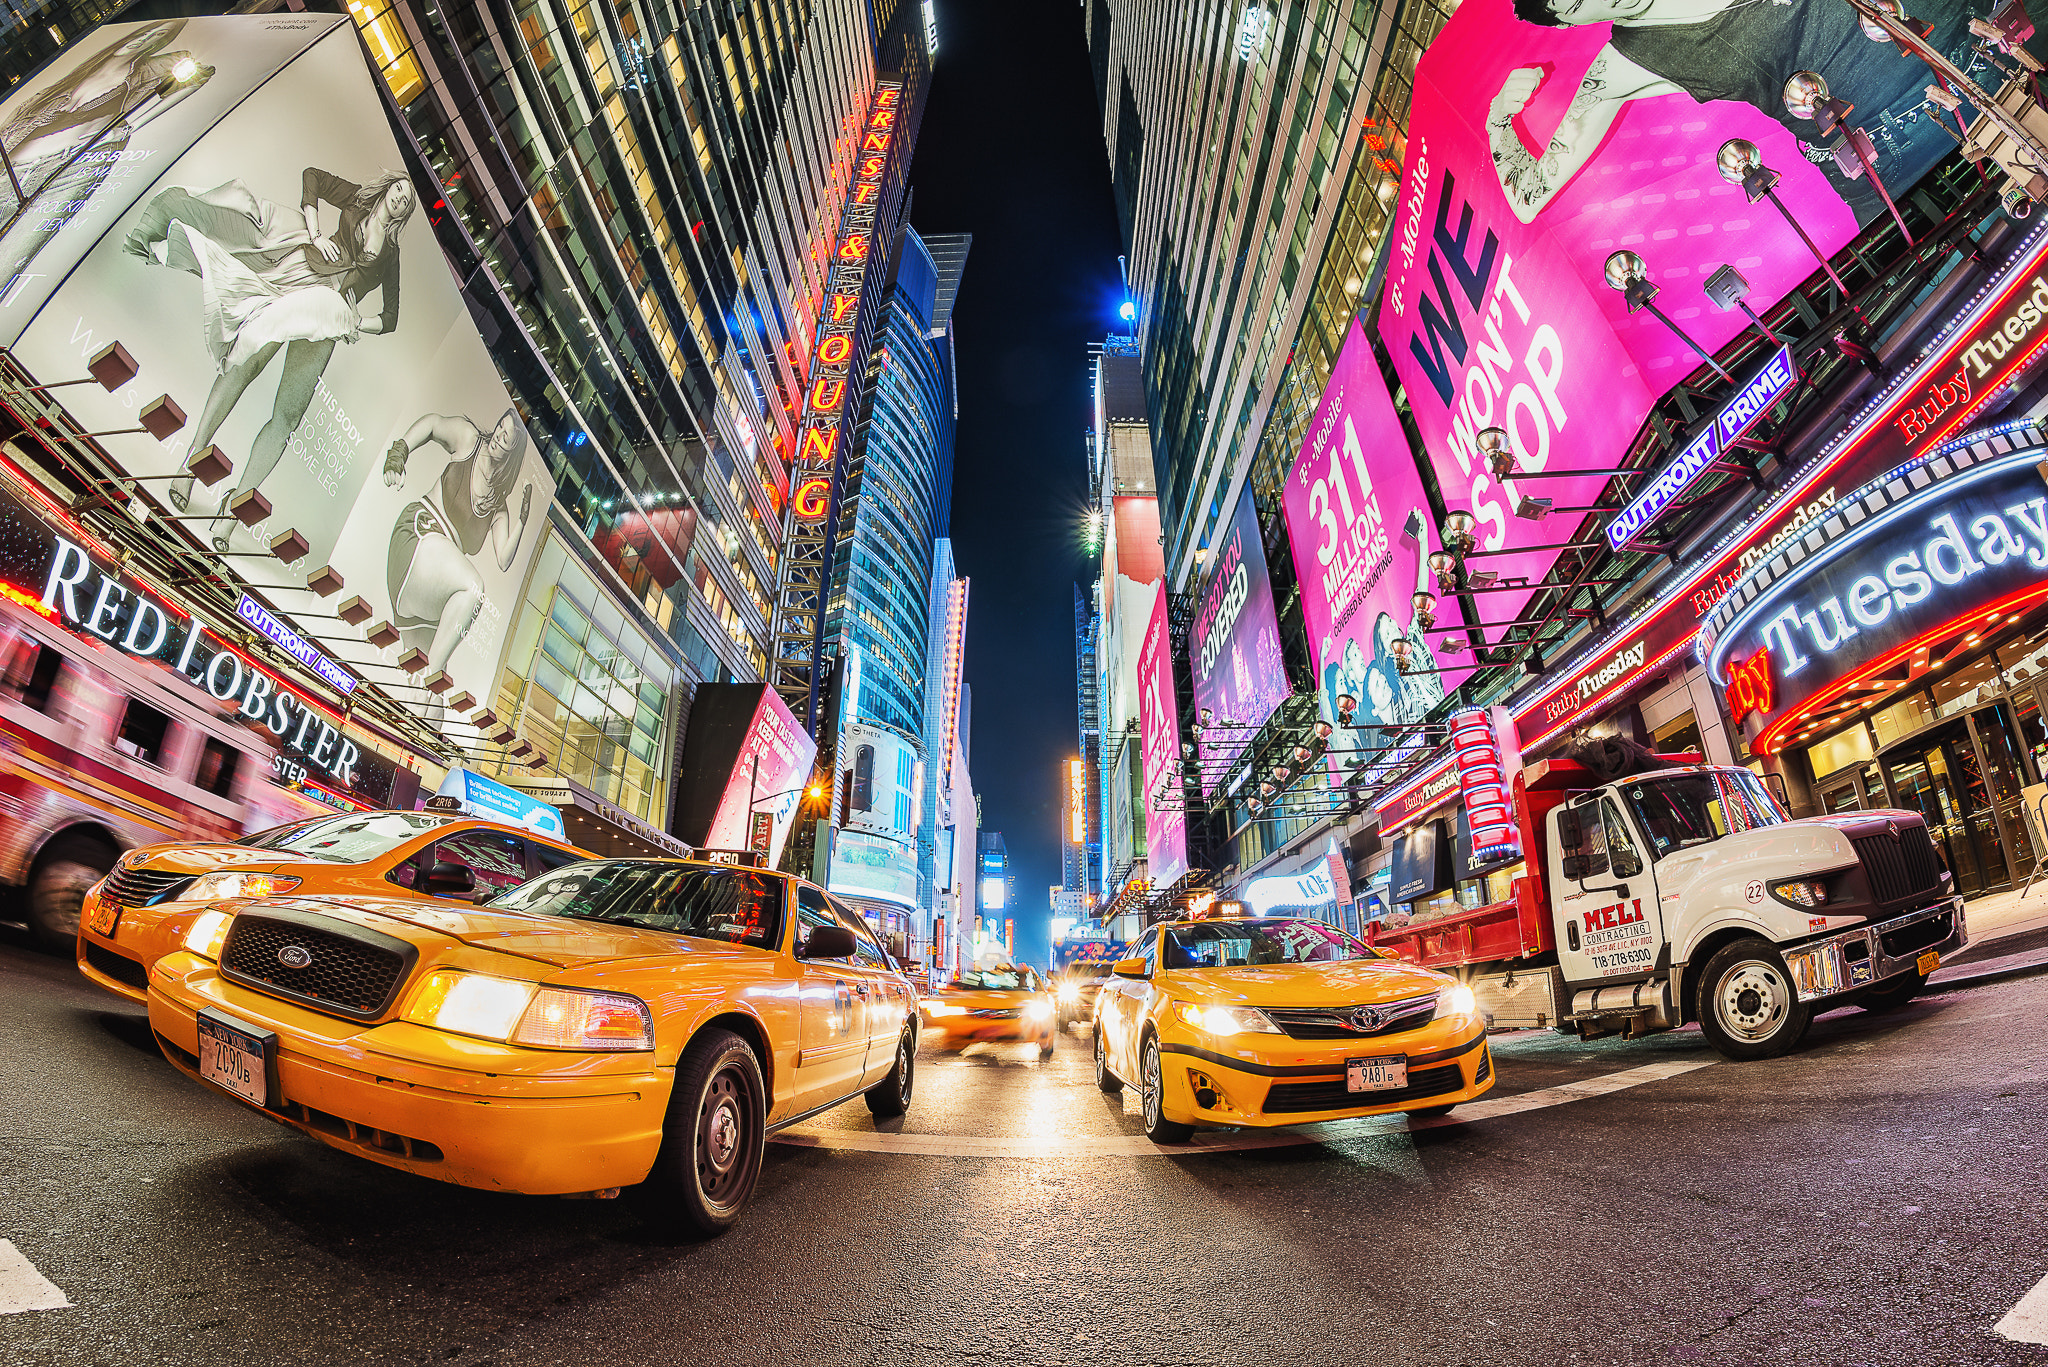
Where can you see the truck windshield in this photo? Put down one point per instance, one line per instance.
(1683, 810)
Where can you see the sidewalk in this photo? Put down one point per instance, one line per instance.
(2008, 939)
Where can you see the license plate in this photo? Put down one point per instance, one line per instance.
(1375, 1074)
(1928, 962)
(236, 1057)
(105, 913)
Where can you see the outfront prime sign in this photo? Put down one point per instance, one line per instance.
(1907, 557)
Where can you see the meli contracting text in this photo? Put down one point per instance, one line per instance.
(126, 619)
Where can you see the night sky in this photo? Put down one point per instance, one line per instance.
(1011, 150)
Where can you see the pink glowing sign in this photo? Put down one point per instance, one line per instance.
(1166, 825)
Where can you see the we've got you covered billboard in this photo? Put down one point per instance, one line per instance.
(223, 197)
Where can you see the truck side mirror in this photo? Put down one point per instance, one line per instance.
(1569, 834)
(1574, 866)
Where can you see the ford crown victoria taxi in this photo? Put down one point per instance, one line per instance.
(138, 912)
(1281, 1022)
(611, 1024)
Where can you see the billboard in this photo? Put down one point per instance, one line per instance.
(745, 752)
(1234, 646)
(1542, 139)
(1166, 823)
(1360, 526)
(248, 238)
(870, 866)
(881, 778)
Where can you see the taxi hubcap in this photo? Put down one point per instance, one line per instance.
(723, 1138)
(1753, 999)
(1151, 1084)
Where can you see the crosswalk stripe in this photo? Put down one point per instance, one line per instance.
(2027, 1322)
(24, 1288)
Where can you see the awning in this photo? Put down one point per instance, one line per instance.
(599, 826)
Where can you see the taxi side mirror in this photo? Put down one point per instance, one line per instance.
(450, 880)
(1129, 968)
(827, 942)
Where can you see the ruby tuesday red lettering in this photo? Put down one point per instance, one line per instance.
(127, 620)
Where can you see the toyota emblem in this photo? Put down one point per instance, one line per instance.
(1368, 1018)
(295, 956)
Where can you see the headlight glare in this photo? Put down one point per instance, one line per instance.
(212, 887)
(1069, 993)
(1456, 1000)
(470, 1003)
(933, 1007)
(1037, 1009)
(208, 931)
(1801, 892)
(565, 1018)
(1227, 1020)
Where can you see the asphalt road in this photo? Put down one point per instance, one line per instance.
(1874, 1199)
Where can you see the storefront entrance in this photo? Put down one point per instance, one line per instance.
(1964, 776)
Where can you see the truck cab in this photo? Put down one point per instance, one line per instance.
(1688, 894)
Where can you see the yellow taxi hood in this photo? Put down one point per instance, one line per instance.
(1352, 982)
(199, 859)
(550, 939)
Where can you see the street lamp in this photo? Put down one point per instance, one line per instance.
(1630, 274)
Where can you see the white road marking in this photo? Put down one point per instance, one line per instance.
(2027, 1322)
(24, 1288)
(1217, 1141)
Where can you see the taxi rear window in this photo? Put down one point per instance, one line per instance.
(737, 906)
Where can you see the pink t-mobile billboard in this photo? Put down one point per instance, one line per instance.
(1360, 526)
(1166, 824)
(1536, 150)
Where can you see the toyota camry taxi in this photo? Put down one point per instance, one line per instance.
(139, 910)
(1281, 1022)
(985, 1005)
(613, 1023)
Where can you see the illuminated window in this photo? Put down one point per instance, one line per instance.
(391, 49)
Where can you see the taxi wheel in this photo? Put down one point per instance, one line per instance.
(716, 1133)
(1106, 1080)
(890, 1097)
(1152, 1092)
(1748, 1005)
(56, 891)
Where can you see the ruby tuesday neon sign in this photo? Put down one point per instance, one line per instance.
(825, 406)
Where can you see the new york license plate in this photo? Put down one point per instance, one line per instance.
(235, 1056)
(1376, 1074)
(106, 913)
(1928, 962)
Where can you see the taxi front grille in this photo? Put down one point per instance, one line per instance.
(1342, 1022)
(340, 969)
(141, 887)
(1299, 1098)
(119, 967)
(998, 1013)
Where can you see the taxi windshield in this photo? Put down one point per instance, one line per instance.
(1684, 810)
(737, 906)
(997, 980)
(1232, 944)
(349, 839)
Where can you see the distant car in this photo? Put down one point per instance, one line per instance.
(988, 1004)
(1077, 988)
(137, 913)
(612, 1023)
(1283, 1022)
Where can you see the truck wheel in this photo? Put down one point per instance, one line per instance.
(715, 1135)
(1892, 994)
(1109, 1082)
(1748, 1007)
(56, 890)
(1152, 1092)
(890, 1097)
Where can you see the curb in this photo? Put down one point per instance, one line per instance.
(1991, 970)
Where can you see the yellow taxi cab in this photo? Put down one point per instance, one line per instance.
(613, 1023)
(1248, 1022)
(440, 855)
(1007, 1002)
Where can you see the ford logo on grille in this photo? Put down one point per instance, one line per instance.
(295, 956)
(1368, 1018)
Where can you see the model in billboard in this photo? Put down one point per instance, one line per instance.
(1390, 692)
(1742, 50)
(436, 591)
(64, 141)
(272, 280)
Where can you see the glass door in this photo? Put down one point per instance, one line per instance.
(1926, 782)
(2005, 777)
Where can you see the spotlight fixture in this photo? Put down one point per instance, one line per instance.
(1444, 566)
(1346, 704)
(1806, 96)
(1281, 773)
(1630, 274)
(1256, 806)
(1741, 162)
(1265, 790)
(1500, 456)
(1459, 533)
(1208, 718)
(1324, 729)
(1302, 754)
(1400, 648)
(1424, 605)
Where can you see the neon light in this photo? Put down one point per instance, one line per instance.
(1485, 779)
(28, 600)
(1749, 687)
(1077, 802)
(813, 497)
(827, 394)
(836, 349)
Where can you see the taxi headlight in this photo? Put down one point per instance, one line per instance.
(208, 931)
(1069, 994)
(1037, 1009)
(212, 887)
(567, 1018)
(1456, 1000)
(471, 1004)
(939, 1008)
(1227, 1020)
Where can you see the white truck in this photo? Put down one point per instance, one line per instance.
(1687, 894)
